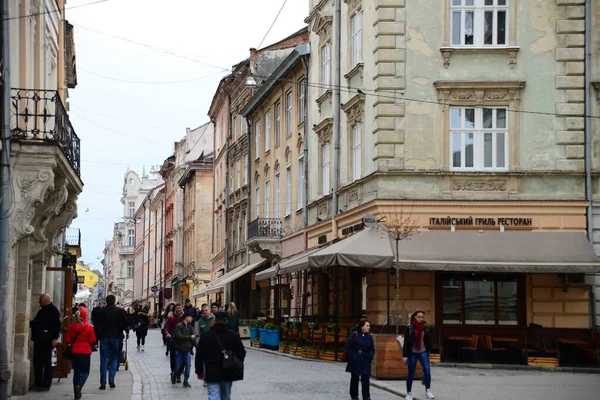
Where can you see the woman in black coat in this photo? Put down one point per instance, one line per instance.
(141, 327)
(361, 350)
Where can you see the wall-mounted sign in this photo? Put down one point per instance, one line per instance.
(369, 220)
(168, 293)
(352, 229)
(470, 221)
(154, 289)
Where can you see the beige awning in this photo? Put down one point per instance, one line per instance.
(295, 263)
(472, 251)
(218, 284)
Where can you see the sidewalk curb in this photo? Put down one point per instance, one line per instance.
(513, 367)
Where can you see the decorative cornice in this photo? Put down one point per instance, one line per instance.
(511, 52)
(478, 92)
(324, 130)
(353, 5)
(355, 109)
(322, 26)
(596, 85)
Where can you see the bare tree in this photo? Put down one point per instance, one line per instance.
(400, 226)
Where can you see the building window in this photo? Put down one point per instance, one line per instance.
(235, 127)
(130, 268)
(131, 209)
(257, 139)
(277, 123)
(238, 235)
(325, 168)
(479, 23)
(238, 171)
(268, 131)
(288, 112)
(130, 181)
(276, 200)
(326, 66)
(301, 190)
(357, 38)
(484, 300)
(245, 173)
(267, 199)
(479, 138)
(231, 183)
(257, 202)
(242, 125)
(301, 105)
(356, 152)
(131, 237)
(288, 190)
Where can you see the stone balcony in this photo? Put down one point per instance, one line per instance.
(264, 237)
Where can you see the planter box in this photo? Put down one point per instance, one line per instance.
(312, 354)
(327, 355)
(255, 344)
(387, 363)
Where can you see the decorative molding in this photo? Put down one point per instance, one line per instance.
(353, 5)
(480, 185)
(355, 109)
(322, 26)
(357, 70)
(324, 130)
(354, 195)
(327, 95)
(596, 85)
(510, 51)
(323, 209)
(478, 92)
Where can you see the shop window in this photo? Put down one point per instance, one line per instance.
(480, 300)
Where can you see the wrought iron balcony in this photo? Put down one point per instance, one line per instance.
(39, 116)
(265, 228)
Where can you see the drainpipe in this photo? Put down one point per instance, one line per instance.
(337, 51)
(305, 143)
(587, 112)
(5, 199)
(226, 288)
(249, 180)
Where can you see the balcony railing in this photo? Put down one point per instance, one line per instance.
(39, 116)
(126, 249)
(265, 228)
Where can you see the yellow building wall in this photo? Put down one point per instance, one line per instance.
(548, 305)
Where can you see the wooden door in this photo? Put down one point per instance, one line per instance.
(62, 367)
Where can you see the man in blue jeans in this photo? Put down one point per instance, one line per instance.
(112, 321)
(184, 341)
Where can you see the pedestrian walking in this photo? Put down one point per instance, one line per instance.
(233, 318)
(215, 307)
(172, 323)
(82, 337)
(141, 327)
(361, 350)
(209, 358)
(45, 331)
(417, 346)
(112, 322)
(164, 318)
(184, 342)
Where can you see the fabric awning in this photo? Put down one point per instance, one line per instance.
(218, 284)
(472, 251)
(371, 248)
(295, 263)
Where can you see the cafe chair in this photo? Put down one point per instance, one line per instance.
(472, 348)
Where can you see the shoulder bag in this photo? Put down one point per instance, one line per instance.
(231, 362)
(67, 353)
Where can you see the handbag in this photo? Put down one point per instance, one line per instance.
(67, 353)
(231, 362)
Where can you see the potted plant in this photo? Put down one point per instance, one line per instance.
(309, 352)
(313, 326)
(255, 342)
(260, 323)
(333, 328)
(283, 346)
(254, 325)
(327, 354)
(273, 336)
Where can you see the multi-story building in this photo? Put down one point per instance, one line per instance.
(467, 121)
(197, 185)
(232, 182)
(44, 171)
(119, 263)
(277, 115)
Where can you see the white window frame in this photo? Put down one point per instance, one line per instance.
(131, 237)
(267, 210)
(235, 133)
(277, 199)
(231, 183)
(257, 139)
(237, 175)
(356, 26)
(478, 8)
(326, 66)
(289, 113)
(278, 123)
(357, 151)
(301, 192)
(131, 209)
(268, 131)
(478, 139)
(288, 190)
(326, 168)
(257, 202)
(130, 268)
(301, 99)
(245, 172)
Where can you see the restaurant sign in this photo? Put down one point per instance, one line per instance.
(470, 221)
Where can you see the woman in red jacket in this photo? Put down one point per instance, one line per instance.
(81, 335)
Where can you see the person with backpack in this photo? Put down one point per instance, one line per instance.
(81, 337)
(210, 365)
(361, 350)
(141, 327)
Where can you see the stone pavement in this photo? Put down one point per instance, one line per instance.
(64, 389)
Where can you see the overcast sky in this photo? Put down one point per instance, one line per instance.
(122, 122)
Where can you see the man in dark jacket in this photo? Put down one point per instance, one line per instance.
(183, 343)
(112, 321)
(170, 326)
(210, 355)
(45, 331)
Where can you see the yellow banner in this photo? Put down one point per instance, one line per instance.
(89, 278)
